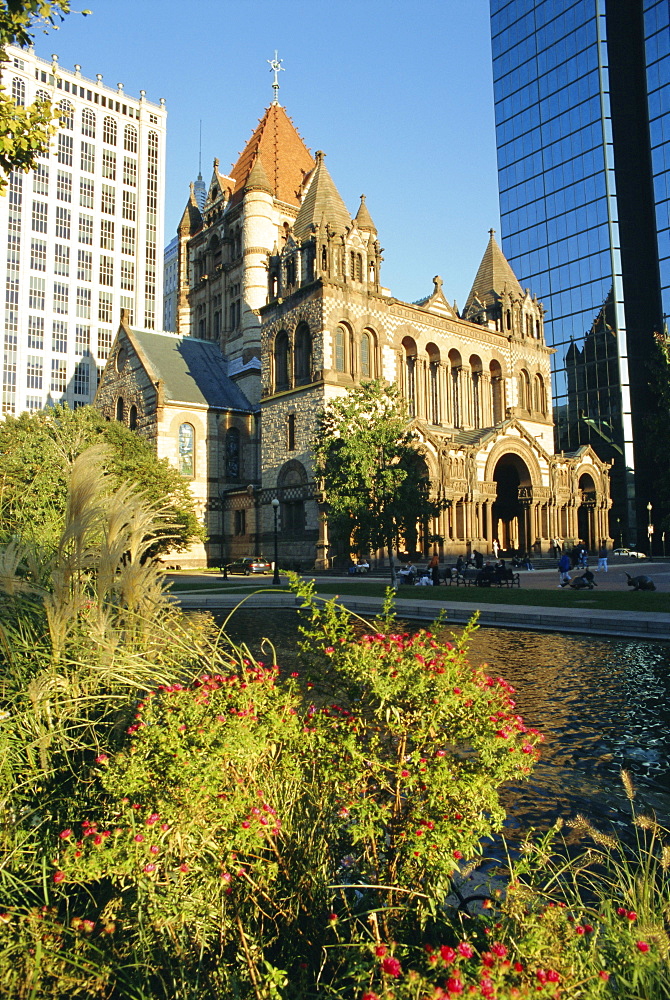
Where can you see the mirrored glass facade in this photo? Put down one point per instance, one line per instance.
(583, 155)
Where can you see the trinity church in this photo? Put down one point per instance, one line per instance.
(280, 307)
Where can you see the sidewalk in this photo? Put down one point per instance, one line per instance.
(629, 624)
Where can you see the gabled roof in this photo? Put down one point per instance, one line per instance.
(493, 277)
(321, 202)
(436, 302)
(284, 156)
(364, 219)
(191, 370)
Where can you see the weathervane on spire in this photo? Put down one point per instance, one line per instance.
(275, 67)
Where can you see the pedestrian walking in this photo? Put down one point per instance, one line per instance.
(564, 564)
(602, 557)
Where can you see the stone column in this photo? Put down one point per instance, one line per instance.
(485, 407)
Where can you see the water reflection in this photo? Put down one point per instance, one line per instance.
(603, 705)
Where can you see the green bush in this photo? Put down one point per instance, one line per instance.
(180, 821)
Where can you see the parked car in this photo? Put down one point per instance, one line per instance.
(629, 552)
(249, 564)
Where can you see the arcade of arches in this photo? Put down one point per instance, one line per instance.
(505, 488)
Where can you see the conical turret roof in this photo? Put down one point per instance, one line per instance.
(493, 276)
(284, 157)
(191, 220)
(258, 179)
(322, 202)
(364, 219)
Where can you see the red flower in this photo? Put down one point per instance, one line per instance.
(553, 976)
(580, 930)
(447, 954)
(149, 869)
(518, 967)
(621, 911)
(391, 966)
(458, 855)
(640, 945)
(184, 868)
(380, 950)
(138, 837)
(632, 915)
(454, 985)
(64, 834)
(465, 949)
(499, 949)
(58, 877)
(604, 975)
(370, 996)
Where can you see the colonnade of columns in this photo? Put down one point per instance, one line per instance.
(451, 395)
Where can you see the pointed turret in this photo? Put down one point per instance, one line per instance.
(191, 220)
(283, 155)
(322, 202)
(258, 179)
(363, 218)
(493, 278)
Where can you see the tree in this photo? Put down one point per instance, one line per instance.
(37, 452)
(375, 478)
(24, 132)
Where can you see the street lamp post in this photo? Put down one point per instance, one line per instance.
(275, 579)
(650, 526)
(619, 532)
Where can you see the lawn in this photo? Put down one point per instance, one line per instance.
(592, 600)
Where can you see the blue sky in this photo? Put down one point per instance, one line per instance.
(398, 95)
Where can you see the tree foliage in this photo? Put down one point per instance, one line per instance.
(24, 132)
(375, 479)
(37, 452)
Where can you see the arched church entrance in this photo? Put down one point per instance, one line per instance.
(511, 522)
(586, 511)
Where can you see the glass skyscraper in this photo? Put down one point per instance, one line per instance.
(582, 94)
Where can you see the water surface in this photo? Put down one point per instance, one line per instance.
(603, 704)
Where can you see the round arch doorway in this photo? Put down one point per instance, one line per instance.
(511, 521)
(586, 512)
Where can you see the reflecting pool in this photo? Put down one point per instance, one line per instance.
(603, 704)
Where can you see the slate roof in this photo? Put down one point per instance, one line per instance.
(192, 371)
(285, 158)
(493, 275)
(322, 202)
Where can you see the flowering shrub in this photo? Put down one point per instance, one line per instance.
(251, 825)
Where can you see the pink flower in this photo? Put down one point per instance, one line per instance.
(88, 925)
(465, 949)
(58, 877)
(553, 976)
(154, 850)
(404, 774)
(150, 820)
(499, 949)
(64, 834)
(329, 650)
(149, 869)
(391, 966)
(640, 945)
(138, 837)
(102, 758)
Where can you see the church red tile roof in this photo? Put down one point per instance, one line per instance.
(284, 156)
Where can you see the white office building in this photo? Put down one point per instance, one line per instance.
(84, 234)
